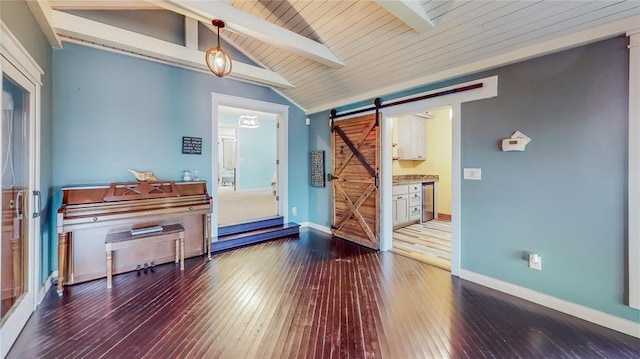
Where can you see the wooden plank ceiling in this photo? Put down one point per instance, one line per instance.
(380, 50)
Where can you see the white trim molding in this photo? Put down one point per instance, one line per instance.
(634, 170)
(13, 51)
(580, 311)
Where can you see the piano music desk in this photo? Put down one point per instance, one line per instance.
(122, 240)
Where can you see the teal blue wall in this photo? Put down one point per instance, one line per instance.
(114, 112)
(258, 151)
(17, 17)
(320, 197)
(565, 197)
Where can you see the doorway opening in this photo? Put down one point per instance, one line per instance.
(488, 89)
(247, 165)
(422, 172)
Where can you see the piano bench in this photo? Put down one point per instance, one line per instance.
(123, 240)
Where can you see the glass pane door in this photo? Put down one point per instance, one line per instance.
(14, 163)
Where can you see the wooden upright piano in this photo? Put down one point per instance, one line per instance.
(89, 213)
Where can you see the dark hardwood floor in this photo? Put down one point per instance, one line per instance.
(306, 297)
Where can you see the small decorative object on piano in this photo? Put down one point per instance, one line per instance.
(186, 176)
(146, 230)
(144, 176)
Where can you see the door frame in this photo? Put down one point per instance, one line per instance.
(236, 137)
(488, 90)
(282, 111)
(30, 72)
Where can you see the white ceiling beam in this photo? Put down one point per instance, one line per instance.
(253, 27)
(102, 5)
(88, 30)
(42, 12)
(410, 12)
(190, 33)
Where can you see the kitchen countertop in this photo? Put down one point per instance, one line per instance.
(401, 179)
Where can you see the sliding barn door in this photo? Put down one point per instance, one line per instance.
(355, 146)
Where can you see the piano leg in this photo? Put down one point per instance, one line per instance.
(177, 250)
(63, 239)
(110, 269)
(207, 235)
(181, 250)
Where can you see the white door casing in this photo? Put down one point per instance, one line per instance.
(282, 112)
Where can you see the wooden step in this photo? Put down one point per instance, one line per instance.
(250, 226)
(236, 240)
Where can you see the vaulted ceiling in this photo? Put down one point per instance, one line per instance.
(325, 53)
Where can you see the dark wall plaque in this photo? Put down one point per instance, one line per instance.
(317, 168)
(192, 145)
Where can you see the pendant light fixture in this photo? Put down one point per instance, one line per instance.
(218, 61)
(248, 121)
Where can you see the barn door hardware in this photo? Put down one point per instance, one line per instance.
(377, 102)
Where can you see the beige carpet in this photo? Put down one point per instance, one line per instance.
(428, 242)
(237, 207)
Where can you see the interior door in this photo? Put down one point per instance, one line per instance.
(18, 164)
(355, 147)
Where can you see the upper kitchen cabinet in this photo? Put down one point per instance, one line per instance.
(412, 139)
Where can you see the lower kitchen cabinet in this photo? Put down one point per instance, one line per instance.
(407, 204)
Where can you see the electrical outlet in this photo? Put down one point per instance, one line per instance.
(535, 261)
(294, 211)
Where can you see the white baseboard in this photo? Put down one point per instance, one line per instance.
(251, 190)
(577, 310)
(316, 227)
(45, 287)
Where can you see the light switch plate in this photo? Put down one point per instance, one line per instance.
(473, 174)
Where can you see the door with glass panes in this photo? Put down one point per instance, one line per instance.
(19, 197)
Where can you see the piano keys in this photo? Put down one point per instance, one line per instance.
(89, 213)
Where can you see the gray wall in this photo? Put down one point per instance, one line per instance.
(114, 112)
(565, 197)
(17, 17)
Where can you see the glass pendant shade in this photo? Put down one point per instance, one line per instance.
(247, 121)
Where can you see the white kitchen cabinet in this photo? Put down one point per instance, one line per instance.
(400, 204)
(407, 204)
(415, 202)
(412, 139)
(400, 209)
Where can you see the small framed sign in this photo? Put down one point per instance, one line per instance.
(317, 168)
(191, 145)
